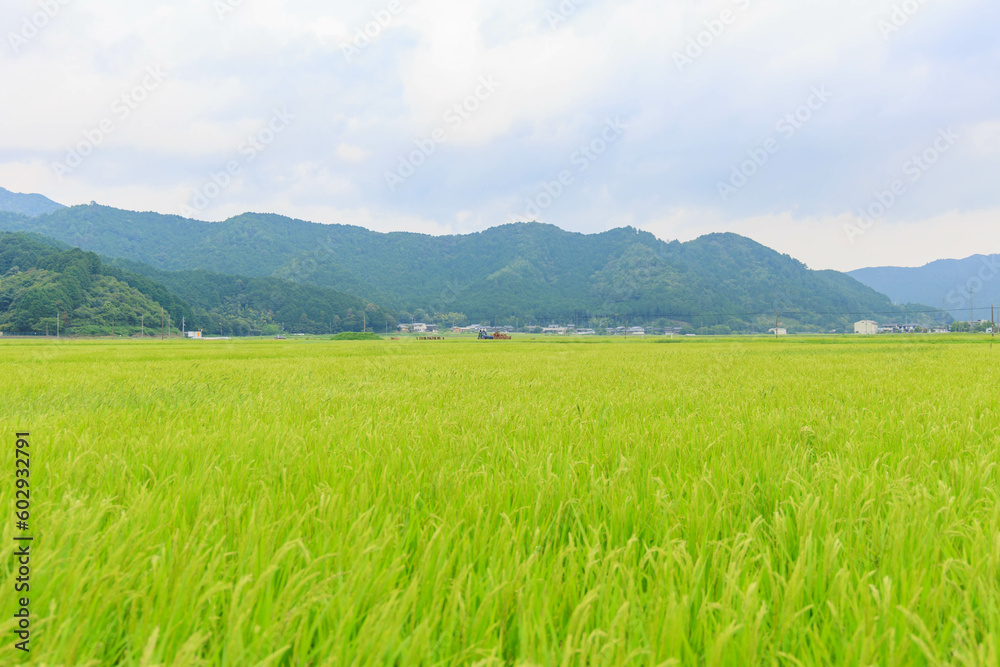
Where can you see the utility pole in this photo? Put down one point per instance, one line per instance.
(364, 321)
(776, 324)
(183, 320)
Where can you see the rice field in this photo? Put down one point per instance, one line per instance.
(727, 502)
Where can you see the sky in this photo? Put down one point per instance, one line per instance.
(844, 133)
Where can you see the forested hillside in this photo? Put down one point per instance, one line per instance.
(243, 305)
(529, 271)
(45, 289)
(40, 281)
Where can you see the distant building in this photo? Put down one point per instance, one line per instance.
(866, 327)
(780, 331)
(554, 330)
(192, 334)
(404, 328)
(431, 328)
(419, 327)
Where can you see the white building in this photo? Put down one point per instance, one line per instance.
(866, 328)
(780, 331)
(192, 334)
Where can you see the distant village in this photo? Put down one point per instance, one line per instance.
(555, 330)
(864, 327)
(871, 328)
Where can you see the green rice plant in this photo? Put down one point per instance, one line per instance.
(703, 502)
(353, 335)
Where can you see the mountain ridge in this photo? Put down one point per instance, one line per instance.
(952, 284)
(27, 204)
(521, 271)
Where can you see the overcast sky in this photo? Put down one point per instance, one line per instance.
(777, 119)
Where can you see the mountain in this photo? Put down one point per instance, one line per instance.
(245, 306)
(30, 205)
(39, 282)
(945, 284)
(529, 271)
(40, 277)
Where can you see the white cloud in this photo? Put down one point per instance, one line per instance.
(822, 243)
(563, 69)
(352, 154)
